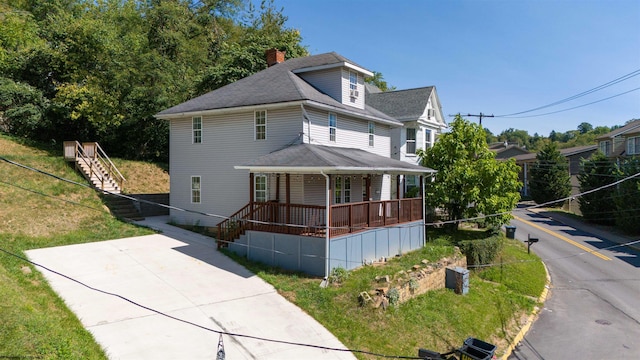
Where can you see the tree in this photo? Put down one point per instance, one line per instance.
(599, 206)
(585, 127)
(490, 138)
(549, 176)
(470, 181)
(378, 81)
(627, 197)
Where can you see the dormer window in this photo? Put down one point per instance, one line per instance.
(353, 84)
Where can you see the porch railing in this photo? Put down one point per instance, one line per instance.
(310, 220)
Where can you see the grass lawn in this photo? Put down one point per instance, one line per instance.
(39, 211)
(498, 298)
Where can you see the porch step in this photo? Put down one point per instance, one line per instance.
(122, 208)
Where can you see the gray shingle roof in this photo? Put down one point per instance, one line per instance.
(632, 126)
(276, 84)
(330, 159)
(403, 105)
(566, 152)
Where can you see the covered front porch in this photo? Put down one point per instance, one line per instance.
(306, 199)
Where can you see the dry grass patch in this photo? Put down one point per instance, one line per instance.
(143, 177)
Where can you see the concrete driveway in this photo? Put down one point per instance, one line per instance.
(181, 274)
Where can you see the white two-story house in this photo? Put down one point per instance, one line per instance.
(420, 112)
(294, 167)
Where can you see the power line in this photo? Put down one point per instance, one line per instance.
(572, 108)
(364, 352)
(597, 88)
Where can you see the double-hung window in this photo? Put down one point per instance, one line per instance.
(427, 139)
(260, 121)
(260, 188)
(342, 190)
(633, 145)
(372, 132)
(353, 81)
(333, 124)
(605, 147)
(196, 125)
(411, 141)
(195, 190)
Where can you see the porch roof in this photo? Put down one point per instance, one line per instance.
(315, 159)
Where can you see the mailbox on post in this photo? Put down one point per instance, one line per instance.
(530, 241)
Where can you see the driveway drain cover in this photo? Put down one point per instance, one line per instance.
(603, 322)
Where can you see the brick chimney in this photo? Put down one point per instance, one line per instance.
(274, 56)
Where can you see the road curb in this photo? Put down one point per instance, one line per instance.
(534, 314)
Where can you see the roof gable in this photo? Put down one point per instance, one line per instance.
(632, 126)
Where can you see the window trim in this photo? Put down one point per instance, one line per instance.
(196, 192)
(342, 189)
(256, 125)
(196, 133)
(607, 147)
(352, 85)
(636, 147)
(413, 141)
(427, 139)
(256, 190)
(333, 129)
(372, 133)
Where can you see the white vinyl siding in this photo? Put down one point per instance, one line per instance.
(633, 145)
(229, 142)
(196, 126)
(196, 190)
(350, 133)
(349, 87)
(260, 121)
(328, 81)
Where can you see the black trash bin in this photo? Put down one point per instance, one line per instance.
(511, 232)
(475, 349)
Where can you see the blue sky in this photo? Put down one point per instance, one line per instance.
(490, 56)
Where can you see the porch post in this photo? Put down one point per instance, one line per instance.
(251, 200)
(278, 187)
(288, 200)
(398, 187)
(327, 225)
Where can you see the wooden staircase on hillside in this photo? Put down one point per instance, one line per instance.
(95, 166)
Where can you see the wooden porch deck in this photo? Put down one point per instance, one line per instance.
(309, 220)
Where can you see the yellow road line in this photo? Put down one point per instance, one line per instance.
(564, 238)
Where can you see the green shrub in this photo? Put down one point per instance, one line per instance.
(338, 275)
(394, 296)
(483, 251)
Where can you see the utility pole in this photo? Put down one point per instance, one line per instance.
(480, 116)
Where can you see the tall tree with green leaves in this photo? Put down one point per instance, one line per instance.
(599, 206)
(378, 81)
(470, 181)
(549, 179)
(627, 197)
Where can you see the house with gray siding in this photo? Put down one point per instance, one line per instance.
(293, 166)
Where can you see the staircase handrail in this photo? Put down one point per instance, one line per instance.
(104, 159)
(82, 156)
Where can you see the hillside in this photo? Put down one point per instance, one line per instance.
(38, 211)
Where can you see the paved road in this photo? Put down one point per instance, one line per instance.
(593, 311)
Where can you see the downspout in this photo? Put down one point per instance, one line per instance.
(325, 282)
(424, 209)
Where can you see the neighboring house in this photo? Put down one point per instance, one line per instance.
(421, 113)
(293, 166)
(574, 156)
(504, 150)
(621, 142)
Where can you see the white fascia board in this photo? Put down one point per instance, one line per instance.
(332, 66)
(331, 170)
(230, 110)
(338, 110)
